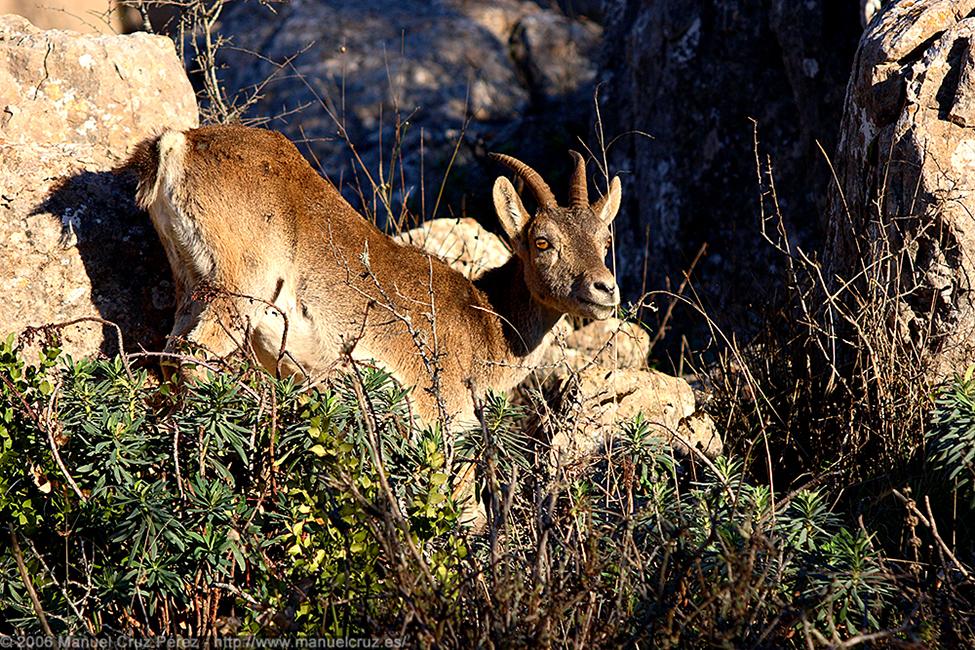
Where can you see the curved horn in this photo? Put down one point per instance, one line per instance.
(578, 192)
(531, 177)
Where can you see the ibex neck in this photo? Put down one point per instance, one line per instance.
(524, 321)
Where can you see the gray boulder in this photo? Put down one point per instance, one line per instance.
(901, 228)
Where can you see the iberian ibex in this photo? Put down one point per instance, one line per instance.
(240, 211)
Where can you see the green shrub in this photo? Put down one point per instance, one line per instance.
(249, 505)
(951, 441)
(246, 489)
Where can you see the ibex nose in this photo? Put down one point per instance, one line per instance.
(605, 288)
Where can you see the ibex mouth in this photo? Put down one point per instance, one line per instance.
(599, 310)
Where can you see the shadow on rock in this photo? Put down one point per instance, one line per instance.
(130, 278)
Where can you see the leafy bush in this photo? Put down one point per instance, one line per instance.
(147, 513)
(250, 505)
(951, 441)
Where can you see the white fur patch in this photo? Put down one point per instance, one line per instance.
(172, 153)
(514, 212)
(188, 256)
(178, 229)
(171, 149)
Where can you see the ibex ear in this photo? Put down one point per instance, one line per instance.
(608, 205)
(511, 211)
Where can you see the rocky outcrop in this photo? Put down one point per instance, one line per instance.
(553, 54)
(907, 146)
(595, 377)
(609, 343)
(589, 406)
(510, 75)
(73, 243)
(682, 80)
(462, 243)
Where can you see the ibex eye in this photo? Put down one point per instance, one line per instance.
(542, 244)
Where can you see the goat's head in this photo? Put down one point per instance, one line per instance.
(562, 248)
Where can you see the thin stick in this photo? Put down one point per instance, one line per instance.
(48, 428)
(662, 330)
(15, 545)
(933, 527)
(94, 319)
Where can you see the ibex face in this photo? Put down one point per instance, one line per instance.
(562, 248)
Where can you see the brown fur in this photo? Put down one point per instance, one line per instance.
(240, 210)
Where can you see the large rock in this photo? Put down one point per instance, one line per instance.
(588, 408)
(609, 343)
(554, 53)
(907, 146)
(462, 243)
(692, 74)
(510, 75)
(73, 243)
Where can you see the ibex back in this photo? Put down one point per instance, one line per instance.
(267, 256)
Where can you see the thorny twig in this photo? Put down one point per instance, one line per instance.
(930, 523)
